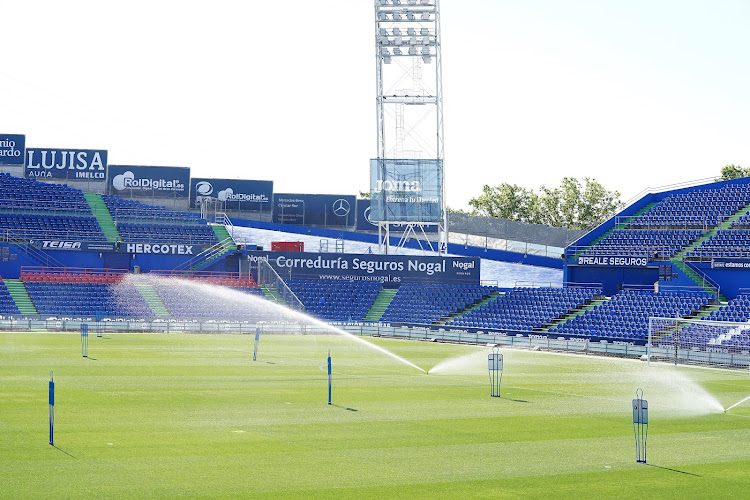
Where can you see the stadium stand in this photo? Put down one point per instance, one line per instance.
(428, 303)
(526, 309)
(123, 210)
(132, 232)
(336, 300)
(62, 227)
(72, 292)
(7, 305)
(20, 194)
(674, 223)
(625, 315)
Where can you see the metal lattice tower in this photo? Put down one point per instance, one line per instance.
(410, 95)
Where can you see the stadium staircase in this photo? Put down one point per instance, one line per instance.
(621, 225)
(152, 298)
(272, 295)
(576, 312)
(468, 309)
(380, 304)
(17, 291)
(218, 251)
(103, 217)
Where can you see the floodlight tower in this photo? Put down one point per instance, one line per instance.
(407, 181)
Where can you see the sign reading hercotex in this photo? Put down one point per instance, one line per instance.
(363, 267)
(80, 164)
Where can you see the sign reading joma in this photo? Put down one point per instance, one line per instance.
(66, 163)
(406, 190)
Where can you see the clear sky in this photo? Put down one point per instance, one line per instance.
(635, 93)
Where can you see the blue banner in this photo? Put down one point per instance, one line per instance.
(364, 223)
(12, 149)
(235, 194)
(160, 248)
(612, 261)
(393, 269)
(335, 210)
(72, 164)
(74, 245)
(406, 190)
(727, 263)
(165, 182)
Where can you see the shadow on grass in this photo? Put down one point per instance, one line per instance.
(344, 407)
(674, 470)
(60, 449)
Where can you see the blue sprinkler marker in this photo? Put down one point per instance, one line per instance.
(85, 340)
(329, 376)
(51, 409)
(257, 338)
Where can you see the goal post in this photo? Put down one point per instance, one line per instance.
(720, 344)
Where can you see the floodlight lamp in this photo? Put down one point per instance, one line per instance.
(425, 31)
(383, 16)
(426, 59)
(384, 51)
(397, 40)
(397, 16)
(397, 31)
(396, 2)
(410, 16)
(412, 2)
(425, 16)
(425, 2)
(412, 51)
(387, 60)
(413, 40)
(397, 52)
(411, 31)
(383, 32)
(425, 51)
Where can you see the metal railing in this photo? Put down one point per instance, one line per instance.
(267, 276)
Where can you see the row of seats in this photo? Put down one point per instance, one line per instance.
(336, 300)
(129, 210)
(429, 303)
(640, 242)
(36, 226)
(106, 277)
(626, 315)
(164, 233)
(7, 304)
(525, 309)
(79, 299)
(21, 194)
(725, 243)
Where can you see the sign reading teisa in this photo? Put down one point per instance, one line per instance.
(164, 182)
(393, 269)
(12, 149)
(236, 194)
(88, 164)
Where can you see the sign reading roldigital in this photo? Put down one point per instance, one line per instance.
(405, 190)
(12, 147)
(379, 268)
(234, 193)
(314, 209)
(612, 261)
(89, 164)
(166, 182)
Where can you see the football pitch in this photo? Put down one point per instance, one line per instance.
(193, 416)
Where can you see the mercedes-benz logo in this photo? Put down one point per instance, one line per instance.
(368, 211)
(341, 207)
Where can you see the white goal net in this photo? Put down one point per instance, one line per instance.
(699, 342)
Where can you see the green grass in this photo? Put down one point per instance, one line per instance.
(192, 416)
